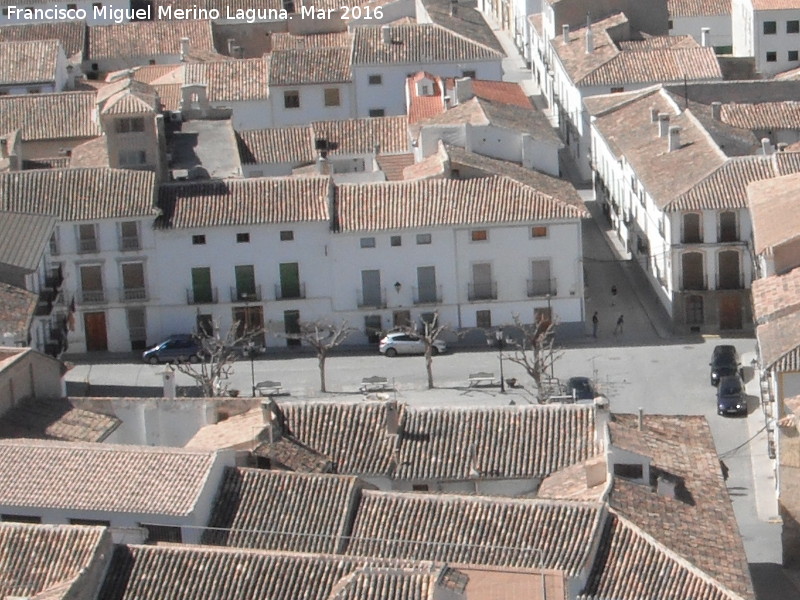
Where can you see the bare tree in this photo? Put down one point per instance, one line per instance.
(536, 352)
(216, 357)
(431, 330)
(323, 337)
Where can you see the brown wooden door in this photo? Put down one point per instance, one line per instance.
(730, 312)
(95, 325)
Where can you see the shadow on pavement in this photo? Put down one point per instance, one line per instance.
(771, 582)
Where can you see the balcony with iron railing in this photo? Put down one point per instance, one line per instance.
(202, 296)
(371, 298)
(250, 294)
(133, 294)
(290, 292)
(539, 288)
(87, 245)
(427, 295)
(482, 291)
(97, 296)
(129, 242)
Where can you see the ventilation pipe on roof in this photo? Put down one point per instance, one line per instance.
(392, 418)
(231, 46)
(386, 31)
(653, 114)
(565, 31)
(704, 32)
(184, 48)
(663, 124)
(323, 165)
(589, 35)
(641, 418)
(453, 8)
(766, 146)
(674, 138)
(716, 110)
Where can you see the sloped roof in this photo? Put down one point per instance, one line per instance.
(148, 38)
(398, 584)
(36, 558)
(422, 43)
(282, 40)
(442, 202)
(424, 106)
(277, 145)
(102, 477)
(776, 296)
(774, 212)
(762, 115)
(779, 342)
(32, 114)
(79, 194)
(243, 201)
(476, 530)
(23, 238)
(278, 510)
(310, 65)
(28, 62)
(231, 81)
(55, 419)
(698, 8)
(17, 307)
(464, 20)
(393, 165)
(359, 136)
(71, 34)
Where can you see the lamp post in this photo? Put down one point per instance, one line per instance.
(250, 343)
(500, 344)
(251, 350)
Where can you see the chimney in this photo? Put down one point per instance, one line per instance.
(663, 124)
(271, 418)
(565, 31)
(392, 418)
(3, 148)
(766, 146)
(716, 110)
(641, 418)
(323, 166)
(674, 138)
(386, 31)
(653, 114)
(589, 35)
(463, 90)
(184, 48)
(231, 46)
(782, 146)
(602, 416)
(453, 8)
(704, 36)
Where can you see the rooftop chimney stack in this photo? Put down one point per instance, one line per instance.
(641, 419)
(704, 32)
(453, 8)
(653, 114)
(766, 146)
(716, 110)
(565, 31)
(184, 48)
(463, 91)
(782, 146)
(231, 46)
(392, 418)
(589, 35)
(663, 124)
(323, 166)
(674, 138)
(386, 31)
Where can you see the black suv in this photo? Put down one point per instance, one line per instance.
(724, 361)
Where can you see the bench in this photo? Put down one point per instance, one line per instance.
(375, 384)
(269, 388)
(481, 378)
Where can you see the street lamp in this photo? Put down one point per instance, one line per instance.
(251, 346)
(500, 343)
(251, 350)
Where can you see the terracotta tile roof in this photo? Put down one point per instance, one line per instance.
(424, 107)
(102, 477)
(281, 145)
(243, 201)
(220, 5)
(398, 584)
(762, 115)
(787, 162)
(93, 153)
(659, 42)
(503, 92)
(630, 132)
(126, 95)
(432, 167)
(508, 442)
(424, 203)
(79, 194)
(698, 8)
(231, 81)
(631, 564)
(359, 136)
(221, 574)
(23, 239)
(234, 432)
(71, 34)
(277, 510)
(466, 21)
(288, 453)
(55, 419)
(153, 73)
(776, 296)
(53, 162)
(773, 212)
(779, 342)
(394, 165)
(416, 44)
(169, 95)
(32, 114)
(698, 523)
(572, 483)
(37, 558)
(476, 530)
(28, 62)
(546, 184)
(17, 307)
(289, 41)
(148, 38)
(310, 65)
(775, 4)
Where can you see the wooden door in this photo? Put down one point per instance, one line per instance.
(730, 311)
(95, 325)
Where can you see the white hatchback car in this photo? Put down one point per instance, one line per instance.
(407, 343)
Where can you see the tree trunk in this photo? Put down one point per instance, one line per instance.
(429, 365)
(321, 356)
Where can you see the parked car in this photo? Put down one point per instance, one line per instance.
(731, 399)
(407, 343)
(724, 361)
(580, 388)
(176, 348)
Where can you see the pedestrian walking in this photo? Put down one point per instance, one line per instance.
(613, 294)
(618, 328)
(595, 322)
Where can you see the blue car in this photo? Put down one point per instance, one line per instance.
(176, 348)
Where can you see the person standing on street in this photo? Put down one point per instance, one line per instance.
(618, 328)
(595, 322)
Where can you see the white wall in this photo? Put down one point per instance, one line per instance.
(742, 32)
(780, 42)
(720, 25)
(312, 104)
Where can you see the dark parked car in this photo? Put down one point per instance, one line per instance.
(176, 348)
(731, 399)
(724, 361)
(581, 388)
